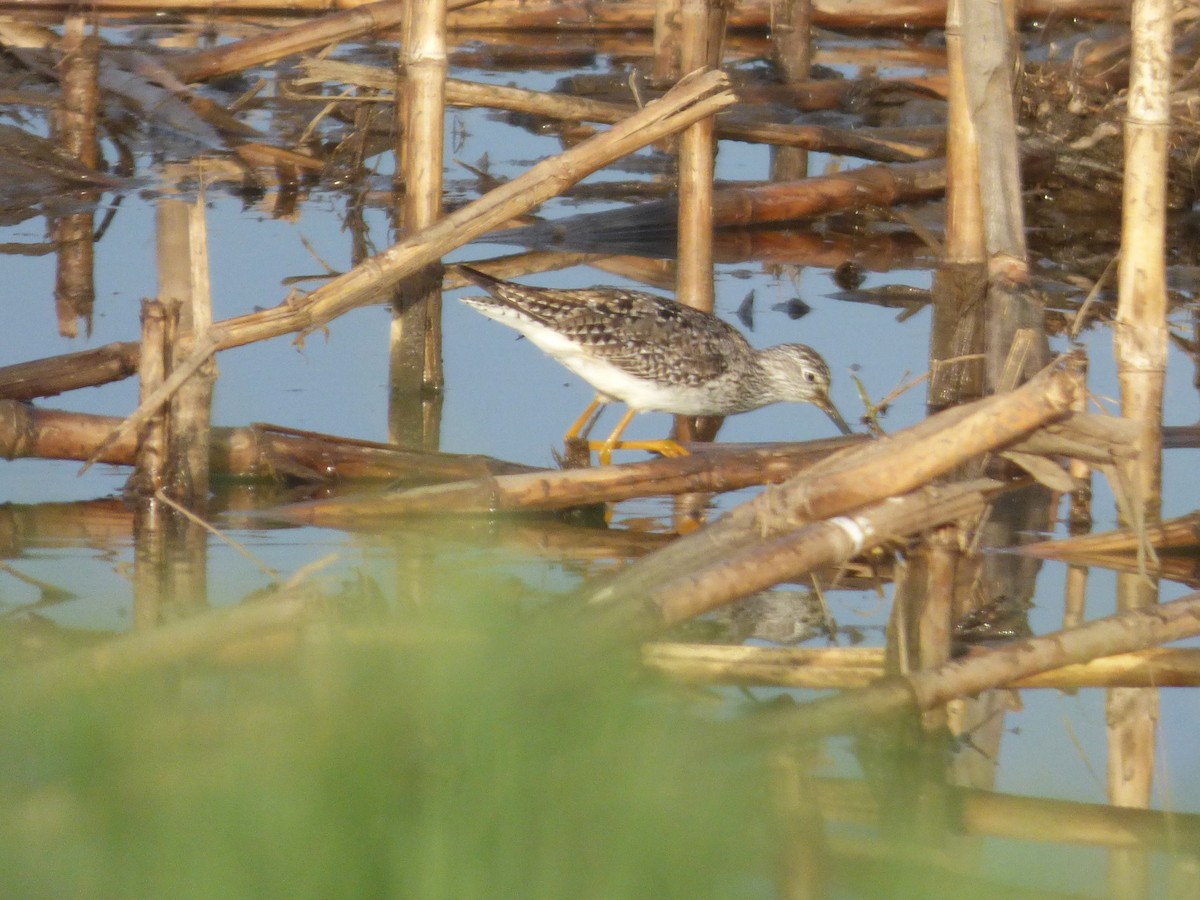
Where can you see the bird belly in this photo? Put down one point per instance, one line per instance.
(639, 394)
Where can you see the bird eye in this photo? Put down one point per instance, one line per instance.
(810, 377)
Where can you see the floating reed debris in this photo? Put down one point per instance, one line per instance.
(844, 668)
(255, 452)
(548, 490)
(1127, 632)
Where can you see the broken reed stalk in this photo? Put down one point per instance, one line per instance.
(763, 564)
(546, 490)
(183, 279)
(1126, 632)
(1140, 347)
(867, 474)
(846, 668)
(694, 98)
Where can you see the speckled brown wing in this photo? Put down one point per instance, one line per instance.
(642, 333)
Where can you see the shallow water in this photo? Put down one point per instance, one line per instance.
(503, 398)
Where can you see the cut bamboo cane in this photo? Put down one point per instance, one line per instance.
(75, 130)
(760, 565)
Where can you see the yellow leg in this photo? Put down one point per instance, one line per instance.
(666, 447)
(582, 422)
(605, 449)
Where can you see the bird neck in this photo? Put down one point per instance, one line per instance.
(760, 385)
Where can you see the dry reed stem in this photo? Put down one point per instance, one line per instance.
(151, 441)
(869, 143)
(549, 490)
(696, 160)
(1182, 533)
(1126, 632)
(275, 45)
(763, 564)
(416, 373)
(183, 278)
(1140, 347)
(845, 668)
(964, 215)
(866, 474)
(257, 452)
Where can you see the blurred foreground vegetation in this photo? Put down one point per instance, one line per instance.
(416, 752)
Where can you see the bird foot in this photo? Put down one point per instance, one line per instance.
(667, 448)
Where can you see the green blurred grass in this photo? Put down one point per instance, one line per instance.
(433, 752)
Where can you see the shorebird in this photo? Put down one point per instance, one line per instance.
(653, 353)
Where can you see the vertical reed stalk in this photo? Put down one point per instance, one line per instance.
(75, 128)
(960, 282)
(667, 40)
(1140, 346)
(696, 161)
(151, 461)
(989, 68)
(416, 345)
(791, 52)
(183, 287)
(701, 41)
(191, 406)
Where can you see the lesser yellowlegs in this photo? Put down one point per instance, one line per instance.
(654, 354)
